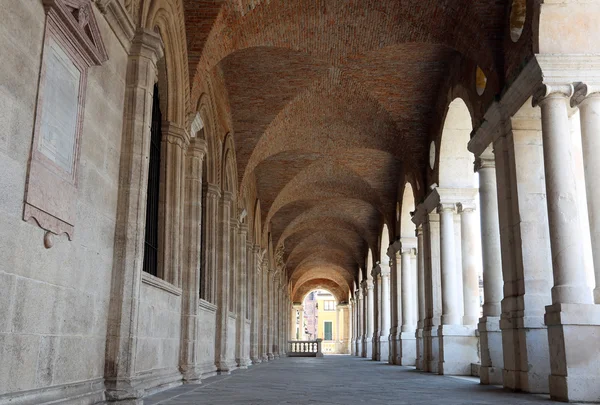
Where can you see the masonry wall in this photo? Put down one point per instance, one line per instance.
(54, 302)
(159, 331)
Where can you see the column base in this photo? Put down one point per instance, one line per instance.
(375, 354)
(408, 348)
(256, 360)
(384, 348)
(353, 347)
(490, 342)
(526, 356)
(367, 348)
(359, 348)
(270, 356)
(393, 347)
(431, 355)
(419, 363)
(574, 341)
(458, 349)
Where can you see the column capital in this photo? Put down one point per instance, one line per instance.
(175, 134)
(549, 91)
(466, 206)
(376, 271)
(446, 207)
(583, 91)
(486, 160)
(147, 43)
(212, 190)
(227, 196)
(197, 147)
(366, 285)
(384, 270)
(408, 243)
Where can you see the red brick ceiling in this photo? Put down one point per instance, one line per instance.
(331, 105)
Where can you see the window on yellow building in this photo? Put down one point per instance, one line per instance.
(327, 330)
(329, 305)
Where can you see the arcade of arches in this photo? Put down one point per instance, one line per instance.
(177, 175)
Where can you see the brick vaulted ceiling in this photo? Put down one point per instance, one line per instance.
(331, 105)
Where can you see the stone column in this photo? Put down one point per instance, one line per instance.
(572, 318)
(353, 327)
(394, 298)
(255, 305)
(370, 316)
(175, 140)
(419, 362)
(376, 308)
(384, 344)
(266, 274)
(490, 336)
(525, 247)
(123, 314)
(587, 98)
(432, 283)
(360, 322)
(213, 196)
(191, 261)
(450, 314)
(470, 263)
(350, 322)
(224, 366)
(243, 356)
(408, 310)
(458, 343)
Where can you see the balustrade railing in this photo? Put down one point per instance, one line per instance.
(305, 348)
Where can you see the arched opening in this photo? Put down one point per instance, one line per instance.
(319, 318)
(455, 161)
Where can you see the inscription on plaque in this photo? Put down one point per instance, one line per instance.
(58, 128)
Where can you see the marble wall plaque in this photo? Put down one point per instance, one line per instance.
(72, 44)
(58, 127)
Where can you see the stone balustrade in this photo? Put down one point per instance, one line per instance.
(305, 348)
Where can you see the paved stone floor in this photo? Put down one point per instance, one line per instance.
(338, 380)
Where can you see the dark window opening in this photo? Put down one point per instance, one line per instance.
(152, 200)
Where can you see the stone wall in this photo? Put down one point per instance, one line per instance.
(207, 324)
(159, 331)
(54, 301)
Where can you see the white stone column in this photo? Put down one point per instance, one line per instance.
(587, 98)
(450, 313)
(470, 262)
(408, 349)
(266, 276)
(566, 240)
(572, 318)
(369, 315)
(419, 362)
(384, 344)
(360, 309)
(376, 273)
(490, 336)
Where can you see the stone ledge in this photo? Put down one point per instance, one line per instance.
(84, 392)
(572, 314)
(203, 304)
(159, 283)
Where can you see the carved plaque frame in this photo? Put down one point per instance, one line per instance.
(72, 44)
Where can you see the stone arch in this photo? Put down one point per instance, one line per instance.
(256, 229)
(384, 243)
(206, 111)
(165, 17)
(454, 162)
(229, 169)
(407, 227)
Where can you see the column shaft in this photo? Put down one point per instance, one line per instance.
(470, 263)
(563, 216)
(450, 314)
